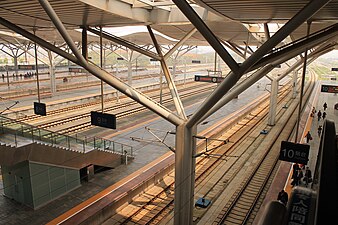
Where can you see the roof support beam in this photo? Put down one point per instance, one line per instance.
(238, 89)
(298, 47)
(180, 43)
(101, 74)
(190, 13)
(171, 84)
(310, 9)
(266, 31)
(120, 41)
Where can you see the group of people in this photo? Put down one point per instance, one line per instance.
(25, 75)
(320, 115)
(299, 177)
(302, 175)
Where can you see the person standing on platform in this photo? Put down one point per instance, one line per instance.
(319, 114)
(320, 130)
(283, 197)
(325, 106)
(294, 177)
(324, 115)
(308, 176)
(308, 137)
(313, 112)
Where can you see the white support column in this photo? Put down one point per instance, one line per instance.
(294, 84)
(130, 72)
(52, 73)
(184, 174)
(273, 102)
(16, 67)
(174, 67)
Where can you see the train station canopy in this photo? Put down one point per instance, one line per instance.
(231, 20)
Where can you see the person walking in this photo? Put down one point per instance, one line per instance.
(319, 114)
(283, 197)
(308, 137)
(320, 130)
(324, 115)
(325, 106)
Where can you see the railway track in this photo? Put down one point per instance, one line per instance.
(134, 108)
(76, 118)
(241, 208)
(156, 208)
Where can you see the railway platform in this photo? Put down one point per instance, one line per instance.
(20, 214)
(50, 211)
(283, 177)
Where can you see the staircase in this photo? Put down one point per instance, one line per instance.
(20, 142)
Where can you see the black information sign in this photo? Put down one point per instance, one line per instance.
(153, 60)
(292, 152)
(26, 67)
(120, 58)
(40, 108)
(329, 88)
(210, 79)
(334, 69)
(195, 61)
(76, 69)
(103, 119)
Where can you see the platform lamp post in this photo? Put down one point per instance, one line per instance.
(36, 68)
(7, 76)
(101, 65)
(161, 87)
(302, 84)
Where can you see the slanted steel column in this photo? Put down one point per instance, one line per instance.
(273, 102)
(171, 84)
(85, 43)
(238, 89)
(98, 72)
(184, 174)
(190, 13)
(310, 9)
(266, 31)
(180, 43)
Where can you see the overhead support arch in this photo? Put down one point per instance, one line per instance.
(238, 89)
(180, 43)
(237, 71)
(297, 48)
(125, 43)
(190, 13)
(171, 84)
(236, 48)
(101, 74)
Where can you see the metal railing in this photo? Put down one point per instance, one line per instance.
(35, 134)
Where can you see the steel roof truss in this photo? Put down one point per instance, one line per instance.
(302, 16)
(190, 13)
(101, 74)
(125, 43)
(170, 82)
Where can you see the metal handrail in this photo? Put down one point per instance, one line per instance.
(20, 129)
